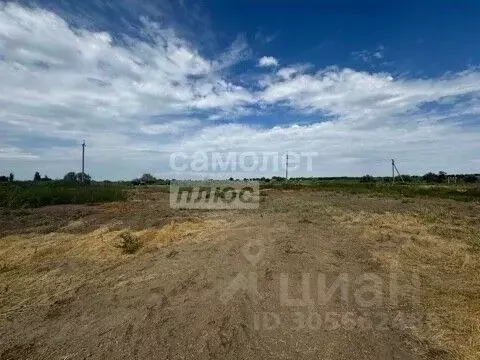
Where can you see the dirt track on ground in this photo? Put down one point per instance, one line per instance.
(212, 284)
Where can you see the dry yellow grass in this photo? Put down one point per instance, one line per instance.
(98, 245)
(38, 269)
(175, 231)
(448, 268)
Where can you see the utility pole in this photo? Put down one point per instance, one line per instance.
(286, 168)
(393, 171)
(83, 160)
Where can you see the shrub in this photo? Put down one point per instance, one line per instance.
(129, 243)
(367, 179)
(147, 179)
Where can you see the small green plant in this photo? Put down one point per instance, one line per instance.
(129, 243)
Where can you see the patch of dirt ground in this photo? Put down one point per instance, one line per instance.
(308, 275)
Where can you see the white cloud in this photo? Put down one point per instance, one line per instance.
(365, 97)
(344, 149)
(237, 52)
(13, 153)
(264, 38)
(172, 127)
(135, 100)
(267, 61)
(288, 72)
(50, 68)
(369, 56)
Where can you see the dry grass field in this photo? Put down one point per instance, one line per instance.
(70, 290)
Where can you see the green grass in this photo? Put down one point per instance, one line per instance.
(30, 194)
(464, 193)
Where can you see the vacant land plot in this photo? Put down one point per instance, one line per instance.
(311, 274)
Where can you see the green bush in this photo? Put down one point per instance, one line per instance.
(129, 243)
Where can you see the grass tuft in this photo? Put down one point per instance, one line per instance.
(129, 243)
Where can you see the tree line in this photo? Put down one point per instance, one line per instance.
(70, 177)
(148, 179)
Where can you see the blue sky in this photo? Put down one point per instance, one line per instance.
(358, 82)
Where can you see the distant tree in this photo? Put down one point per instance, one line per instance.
(3, 178)
(230, 179)
(442, 176)
(11, 177)
(86, 178)
(470, 178)
(71, 176)
(37, 176)
(147, 178)
(407, 178)
(77, 177)
(46, 178)
(367, 178)
(430, 177)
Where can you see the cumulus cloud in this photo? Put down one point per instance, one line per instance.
(137, 99)
(73, 83)
(78, 75)
(289, 72)
(363, 96)
(267, 61)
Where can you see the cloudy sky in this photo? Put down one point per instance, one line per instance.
(358, 83)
